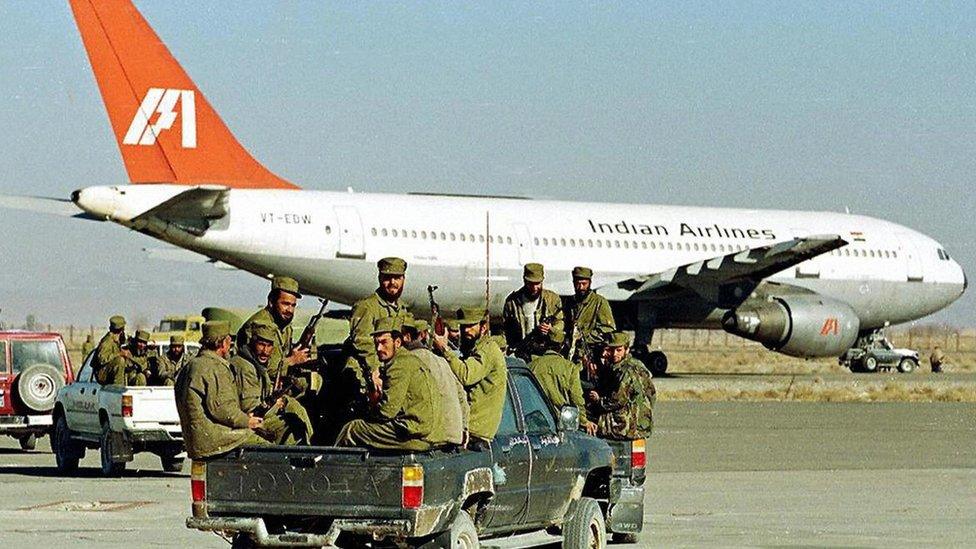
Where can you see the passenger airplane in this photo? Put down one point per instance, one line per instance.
(802, 283)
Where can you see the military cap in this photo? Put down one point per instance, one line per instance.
(286, 284)
(215, 330)
(391, 266)
(452, 324)
(557, 337)
(142, 335)
(533, 272)
(264, 332)
(467, 316)
(421, 325)
(617, 339)
(117, 322)
(582, 272)
(176, 340)
(408, 322)
(389, 324)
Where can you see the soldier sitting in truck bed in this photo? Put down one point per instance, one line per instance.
(624, 399)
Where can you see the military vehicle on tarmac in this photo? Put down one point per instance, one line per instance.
(33, 367)
(187, 326)
(540, 473)
(119, 421)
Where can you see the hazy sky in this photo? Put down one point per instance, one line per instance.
(815, 106)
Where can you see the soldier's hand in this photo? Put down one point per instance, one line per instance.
(590, 428)
(465, 437)
(545, 328)
(440, 343)
(298, 356)
(377, 380)
(593, 396)
(125, 353)
(254, 422)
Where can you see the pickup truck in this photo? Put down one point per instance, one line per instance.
(118, 421)
(33, 367)
(540, 473)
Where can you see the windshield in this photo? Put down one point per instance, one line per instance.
(172, 326)
(26, 353)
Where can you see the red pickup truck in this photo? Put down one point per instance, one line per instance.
(33, 367)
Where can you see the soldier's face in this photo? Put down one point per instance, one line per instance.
(262, 350)
(175, 351)
(386, 346)
(532, 289)
(581, 285)
(617, 354)
(392, 286)
(283, 306)
(470, 334)
(140, 348)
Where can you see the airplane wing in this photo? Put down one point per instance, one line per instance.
(724, 280)
(44, 205)
(194, 210)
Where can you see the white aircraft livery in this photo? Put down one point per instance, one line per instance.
(802, 283)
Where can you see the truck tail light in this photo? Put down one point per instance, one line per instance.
(198, 488)
(638, 454)
(413, 486)
(126, 405)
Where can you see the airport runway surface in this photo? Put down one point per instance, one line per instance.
(721, 474)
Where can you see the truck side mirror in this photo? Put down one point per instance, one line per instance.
(569, 418)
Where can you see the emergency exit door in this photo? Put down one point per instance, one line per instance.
(350, 230)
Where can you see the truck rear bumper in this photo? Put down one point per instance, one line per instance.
(257, 531)
(25, 424)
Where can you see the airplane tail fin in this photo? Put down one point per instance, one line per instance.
(165, 128)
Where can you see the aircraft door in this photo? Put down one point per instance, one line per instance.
(524, 239)
(350, 232)
(913, 260)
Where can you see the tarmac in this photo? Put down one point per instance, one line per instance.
(719, 474)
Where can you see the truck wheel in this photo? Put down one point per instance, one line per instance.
(624, 538)
(870, 364)
(110, 468)
(171, 464)
(67, 452)
(907, 365)
(38, 386)
(28, 442)
(585, 528)
(462, 535)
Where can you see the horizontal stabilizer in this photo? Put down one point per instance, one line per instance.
(193, 210)
(44, 205)
(725, 280)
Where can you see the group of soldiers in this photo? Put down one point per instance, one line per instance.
(121, 361)
(401, 383)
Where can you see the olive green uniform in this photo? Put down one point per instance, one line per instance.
(209, 406)
(163, 369)
(409, 416)
(359, 345)
(483, 374)
(137, 370)
(454, 400)
(625, 410)
(288, 424)
(87, 347)
(559, 379)
(108, 363)
(282, 342)
(527, 344)
(590, 319)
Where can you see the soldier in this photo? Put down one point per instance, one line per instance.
(560, 380)
(87, 347)
(625, 399)
(454, 401)
(481, 370)
(937, 359)
(286, 420)
(109, 361)
(137, 364)
(530, 313)
(163, 368)
(453, 333)
(207, 400)
(409, 416)
(278, 313)
(362, 364)
(590, 317)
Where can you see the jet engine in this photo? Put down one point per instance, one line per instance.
(803, 326)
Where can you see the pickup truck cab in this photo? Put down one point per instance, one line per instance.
(118, 421)
(33, 367)
(540, 473)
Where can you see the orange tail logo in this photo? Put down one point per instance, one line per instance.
(830, 327)
(165, 128)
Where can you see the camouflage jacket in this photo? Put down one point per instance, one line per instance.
(625, 410)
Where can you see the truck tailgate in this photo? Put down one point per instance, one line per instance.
(153, 405)
(305, 481)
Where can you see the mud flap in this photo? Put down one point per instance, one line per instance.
(121, 450)
(625, 514)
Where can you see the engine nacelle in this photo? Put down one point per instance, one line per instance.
(804, 326)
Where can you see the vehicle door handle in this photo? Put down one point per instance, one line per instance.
(82, 390)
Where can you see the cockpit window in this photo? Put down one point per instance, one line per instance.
(943, 255)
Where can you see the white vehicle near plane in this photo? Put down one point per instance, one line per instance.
(806, 284)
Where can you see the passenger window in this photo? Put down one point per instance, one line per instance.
(3, 356)
(372, 231)
(194, 326)
(395, 233)
(508, 426)
(413, 234)
(26, 353)
(385, 232)
(508, 240)
(562, 241)
(538, 416)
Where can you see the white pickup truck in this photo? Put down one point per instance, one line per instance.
(119, 421)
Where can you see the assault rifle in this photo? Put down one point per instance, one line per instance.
(435, 313)
(287, 384)
(308, 334)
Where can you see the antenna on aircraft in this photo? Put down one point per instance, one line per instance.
(487, 260)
